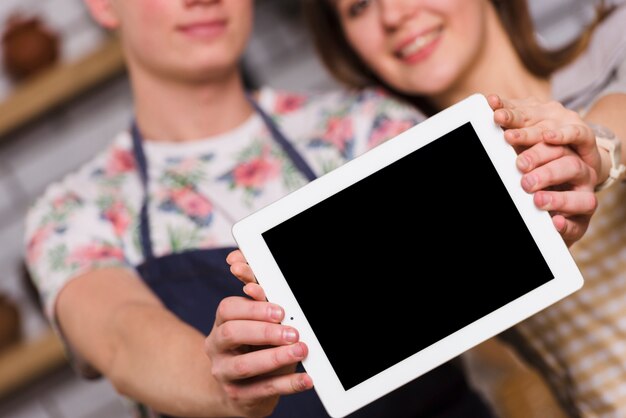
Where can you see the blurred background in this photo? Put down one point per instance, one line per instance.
(63, 96)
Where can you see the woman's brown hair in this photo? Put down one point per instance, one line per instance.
(347, 67)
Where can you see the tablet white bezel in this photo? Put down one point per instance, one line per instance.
(476, 110)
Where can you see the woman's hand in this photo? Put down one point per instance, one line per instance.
(253, 356)
(558, 157)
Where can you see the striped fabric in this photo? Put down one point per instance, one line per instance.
(580, 342)
(582, 339)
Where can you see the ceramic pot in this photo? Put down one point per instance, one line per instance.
(28, 47)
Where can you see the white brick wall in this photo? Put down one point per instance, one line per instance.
(6, 191)
(62, 395)
(281, 55)
(38, 154)
(35, 159)
(29, 160)
(50, 148)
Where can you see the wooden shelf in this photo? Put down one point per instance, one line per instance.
(28, 361)
(58, 85)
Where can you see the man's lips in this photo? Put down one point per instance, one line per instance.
(205, 29)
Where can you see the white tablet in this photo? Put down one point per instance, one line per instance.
(407, 256)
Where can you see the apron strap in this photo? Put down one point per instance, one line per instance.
(142, 166)
(289, 149)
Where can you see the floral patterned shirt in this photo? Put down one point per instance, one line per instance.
(197, 189)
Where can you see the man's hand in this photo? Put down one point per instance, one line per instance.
(253, 356)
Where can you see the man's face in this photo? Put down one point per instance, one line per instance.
(189, 39)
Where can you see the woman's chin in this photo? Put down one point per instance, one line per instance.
(422, 89)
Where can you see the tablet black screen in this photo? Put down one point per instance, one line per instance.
(366, 295)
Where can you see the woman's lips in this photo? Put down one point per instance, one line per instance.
(420, 47)
(204, 30)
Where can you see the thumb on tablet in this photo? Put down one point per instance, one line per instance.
(255, 291)
(239, 267)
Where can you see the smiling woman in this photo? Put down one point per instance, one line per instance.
(434, 53)
(351, 65)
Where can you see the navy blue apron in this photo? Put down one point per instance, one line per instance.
(192, 283)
